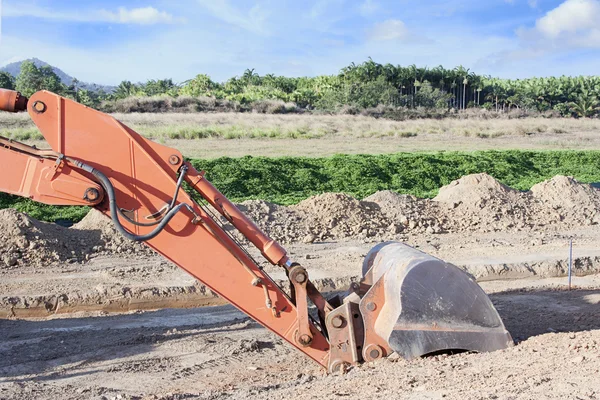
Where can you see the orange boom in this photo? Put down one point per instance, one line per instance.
(407, 301)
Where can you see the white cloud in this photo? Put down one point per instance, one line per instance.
(392, 29)
(148, 57)
(573, 24)
(142, 16)
(234, 35)
(571, 16)
(252, 21)
(139, 16)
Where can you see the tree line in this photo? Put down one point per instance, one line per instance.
(361, 86)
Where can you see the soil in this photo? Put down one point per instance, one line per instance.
(73, 301)
(474, 203)
(217, 353)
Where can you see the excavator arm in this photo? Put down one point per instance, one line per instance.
(96, 160)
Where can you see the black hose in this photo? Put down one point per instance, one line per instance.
(182, 173)
(114, 209)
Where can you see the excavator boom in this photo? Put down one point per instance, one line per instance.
(96, 160)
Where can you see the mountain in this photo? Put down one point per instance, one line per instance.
(15, 68)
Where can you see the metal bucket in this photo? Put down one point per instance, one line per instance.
(419, 304)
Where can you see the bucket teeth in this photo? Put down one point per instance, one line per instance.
(425, 305)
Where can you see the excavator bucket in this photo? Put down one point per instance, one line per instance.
(416, 305)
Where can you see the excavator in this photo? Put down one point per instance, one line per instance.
(407, 302)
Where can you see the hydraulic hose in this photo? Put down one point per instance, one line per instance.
(114, 209)
(182, 173)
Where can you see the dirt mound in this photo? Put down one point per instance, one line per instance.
(564, 199)
(474, 203)
(476, 190)
(17, 234)
(24, 240)
(337, 215)
(408, 212)
(323, 217)
(279, 222)
(108, 239)
(480, 202)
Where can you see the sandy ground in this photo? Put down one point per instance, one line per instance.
(77, 322)
(114, 283)
(216, 352)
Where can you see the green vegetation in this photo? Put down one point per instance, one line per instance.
(22, 134)
(356, 87)
(288, 180)
(42, 212)
(32, 79)
(7, 81)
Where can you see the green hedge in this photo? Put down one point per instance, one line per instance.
(287, 180)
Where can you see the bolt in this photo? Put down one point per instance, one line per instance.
(371, 306)
(339, 366)
(300, 277)
(305, 340)
(337, 321)
(174, 159)
(39, 107)
(373, 352)
(91, 194)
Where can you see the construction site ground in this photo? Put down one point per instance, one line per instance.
(86, 314)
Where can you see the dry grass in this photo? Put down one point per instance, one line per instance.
(249, 125)
(330, 134)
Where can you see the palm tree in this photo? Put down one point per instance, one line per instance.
(250, 77)
(585, 106)
(125, 89)
(496, 92)
(463, 74)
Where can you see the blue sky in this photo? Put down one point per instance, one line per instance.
(106, 41)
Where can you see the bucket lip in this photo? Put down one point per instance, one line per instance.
(375, 262)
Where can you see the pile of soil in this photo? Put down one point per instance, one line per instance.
(474, 203)
(564, 200)
(108, 239)
(409, 213)
(329, 216)
(338, 216)
(24, 240)
(279, 222)
(480, 202)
